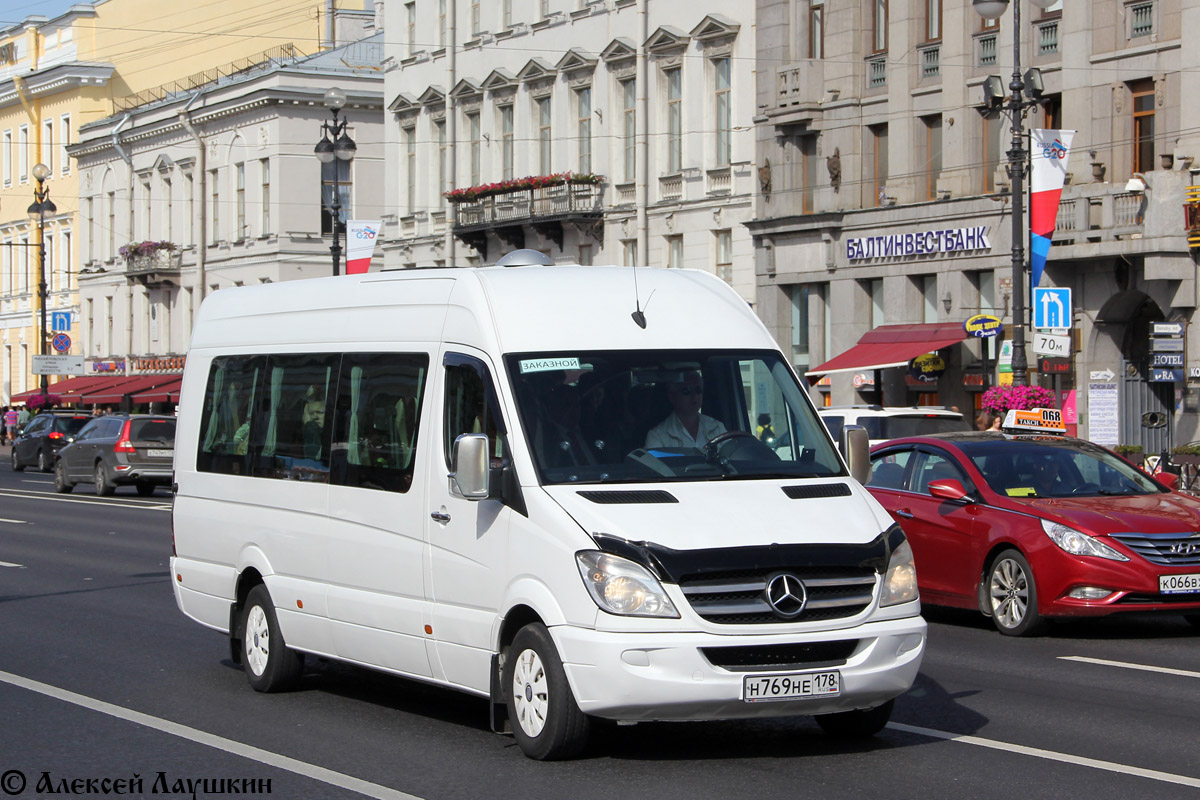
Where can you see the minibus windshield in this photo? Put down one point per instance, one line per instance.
(667, 415)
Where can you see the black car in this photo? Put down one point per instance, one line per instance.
(44, 436)
(119, 450)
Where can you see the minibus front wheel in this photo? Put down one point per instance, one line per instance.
(270, 665)
(546, 720)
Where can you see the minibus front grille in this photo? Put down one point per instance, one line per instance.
(757, 658)
(740, 598)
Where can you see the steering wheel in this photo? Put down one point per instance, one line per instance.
(713, 446)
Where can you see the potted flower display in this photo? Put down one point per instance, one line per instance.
(147, 252)
(1002, 399)
(42, 402)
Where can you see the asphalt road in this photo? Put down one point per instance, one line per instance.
(102, 678)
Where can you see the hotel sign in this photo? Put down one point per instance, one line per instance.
(900, 245)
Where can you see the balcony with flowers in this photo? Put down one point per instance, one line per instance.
(543, 202)
(152, 263)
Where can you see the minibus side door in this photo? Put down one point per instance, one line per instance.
(467, 539)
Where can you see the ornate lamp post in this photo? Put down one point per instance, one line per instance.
(1017, 156)
(335, 145)
(38, 209)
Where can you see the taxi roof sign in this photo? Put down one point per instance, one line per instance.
(1037, 420)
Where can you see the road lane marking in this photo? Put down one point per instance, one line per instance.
(266, 757)
(7, 564)
(122, 502)
(15, 521)
(1050, 755)
(1127, 665)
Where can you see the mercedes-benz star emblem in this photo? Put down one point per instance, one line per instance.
(786, 595)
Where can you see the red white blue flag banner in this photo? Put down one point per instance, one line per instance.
(1049, 151)
(360, 244)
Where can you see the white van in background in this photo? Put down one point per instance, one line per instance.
(489, 479)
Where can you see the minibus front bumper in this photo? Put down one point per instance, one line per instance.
(667, 676)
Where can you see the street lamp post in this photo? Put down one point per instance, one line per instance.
(335, 144)
(1017, 156)
(38, 209)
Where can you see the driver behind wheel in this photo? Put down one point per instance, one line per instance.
(685, 426)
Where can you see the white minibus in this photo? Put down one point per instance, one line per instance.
(541, 485)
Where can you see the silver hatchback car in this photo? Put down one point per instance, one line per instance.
(119, 450)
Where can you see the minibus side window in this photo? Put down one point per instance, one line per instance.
(293, 443)
(471, 407)
(225, 424)
(377, 415)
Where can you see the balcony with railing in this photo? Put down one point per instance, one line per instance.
(1141, 19)
(1047, 38)
(931, 61)
(154, 268)
(506, 212)
(877, 72)
(985, 50)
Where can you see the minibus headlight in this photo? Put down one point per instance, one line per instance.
(620, 586)
(900, 582)
(1078, 543)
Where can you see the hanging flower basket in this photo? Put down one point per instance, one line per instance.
(42, 402)
(1001, 399)
(470, 194)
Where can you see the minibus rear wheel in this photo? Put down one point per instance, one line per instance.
(270, 665)
(546, 720)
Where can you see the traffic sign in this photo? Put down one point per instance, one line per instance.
(1166, 329)
(57, 365)
(1047, 344)
(1051, 307)
(60, 321)
(1166, 375)
(1052, 366)
(61, 342)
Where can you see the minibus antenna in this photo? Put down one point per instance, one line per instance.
(637, 315)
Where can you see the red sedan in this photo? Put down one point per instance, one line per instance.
(1029, 527)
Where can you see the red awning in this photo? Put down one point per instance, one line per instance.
(116, 391)
(69, 386)
(892, 346)
(162, 393)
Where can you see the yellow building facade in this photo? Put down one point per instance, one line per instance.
(59, 74)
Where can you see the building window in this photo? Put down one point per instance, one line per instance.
(111, 199)
(801, 356)
(808, 172)
(933, 20)
(877, 141)
(674, 78)
(877, 303)
(410, 17)
(506, 141)
(166, 209)
(439, 129)
(475, 28)
(992, 132)
(507, 12)
(1143, 125)
(583, 102)
(1141, 19)
(816, 29)
(441, 23)
(147, 204)
(629, 132)
(722, 105)
(189, 205)
(48, 145)
(410, 168)
(724, 245)
(933, 153)
(216, 205)
(239, 171)
(476, 146)
(265, 169)
(674, 252)
(927, 285)
(879, 26)
(1052, 112)
(51, 267)
(629, 252)
(544, 8)
(7, 155)
(585, 255)
(23, 154)
(67, 268)
(335, 172)
(544, 135)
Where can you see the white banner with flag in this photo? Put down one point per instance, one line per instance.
(1050, 150)
(360, 244)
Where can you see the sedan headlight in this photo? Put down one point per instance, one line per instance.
(1079, 544)
(621, 586)
(900, 582)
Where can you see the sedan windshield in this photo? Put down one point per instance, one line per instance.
(1049, 468)
(667, 415)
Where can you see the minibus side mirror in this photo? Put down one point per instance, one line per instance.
(470, 477)
(856, 449)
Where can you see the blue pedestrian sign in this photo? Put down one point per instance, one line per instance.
(1051, 307)
(60, 321)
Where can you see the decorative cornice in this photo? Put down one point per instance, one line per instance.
(667, 40)
(714, 26)
(619, 49)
